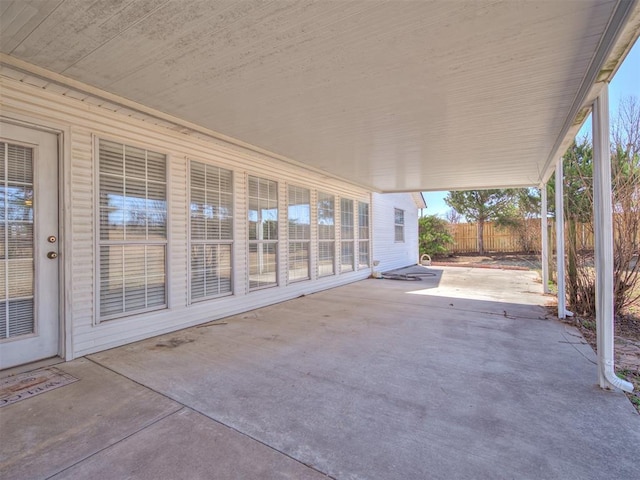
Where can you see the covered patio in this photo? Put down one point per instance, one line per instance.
(464, 374)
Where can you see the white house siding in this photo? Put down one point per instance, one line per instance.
(80, 121)
(386, 250)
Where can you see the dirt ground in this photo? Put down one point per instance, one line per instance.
(627, 324)
(494, 260)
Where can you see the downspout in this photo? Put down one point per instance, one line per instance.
(603, 228)
(562, 296)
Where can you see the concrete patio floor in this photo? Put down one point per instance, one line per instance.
(459, 376)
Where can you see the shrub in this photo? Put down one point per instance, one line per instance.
(433, 235)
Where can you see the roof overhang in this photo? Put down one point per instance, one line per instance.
(396, 96)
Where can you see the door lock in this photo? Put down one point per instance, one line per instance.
(52, 255)
(51, 239)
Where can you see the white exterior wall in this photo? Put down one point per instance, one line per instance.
(79, 123)
(386, 250)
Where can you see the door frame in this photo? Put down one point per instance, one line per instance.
(62, 132)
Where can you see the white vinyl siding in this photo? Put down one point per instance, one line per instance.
(299, 226)
(326, 234)
(133, 229)
(384, 249)
(347, 237)
(211, 231)
(363, 235)
(263, 233)
(80, 255)
(399, 224)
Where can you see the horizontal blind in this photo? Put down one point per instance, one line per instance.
(326, 234)
(298, 261)
(347, 230)
(133, 229)
(263, 262)
(326, 257)
(346, 219)
(363, 234)
(326, 216)
(16, 241)
(346, 256)
(262, 219)
(263, 209)
(299, 217)
(211, 230)
(299, 214)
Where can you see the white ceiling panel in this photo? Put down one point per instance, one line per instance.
(398, 95)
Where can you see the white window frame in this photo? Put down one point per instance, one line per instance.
(99, 243)
(398, 226)
(259, 242)
(364, 234)
(352, 239)
(330, 242)
(210, 242)
(306, 240)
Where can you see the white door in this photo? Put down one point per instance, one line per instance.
(29, 316)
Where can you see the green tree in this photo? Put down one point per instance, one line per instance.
(433, 235)
(577, 166)
(483, 206)
(578, 190)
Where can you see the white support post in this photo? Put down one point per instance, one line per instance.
(603, 229)
(562, 295)
(545, 238)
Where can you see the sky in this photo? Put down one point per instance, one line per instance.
(626, 82)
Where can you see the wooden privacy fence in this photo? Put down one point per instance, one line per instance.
(510, 240)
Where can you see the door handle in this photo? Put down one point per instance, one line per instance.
(52, 255)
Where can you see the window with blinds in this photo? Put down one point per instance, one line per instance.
(399, 225)
(262, 223)
(16, 241)
(211, 231)
(363, 234)
(326, 234)
(346, 235)
(133, 230)
(299, 218)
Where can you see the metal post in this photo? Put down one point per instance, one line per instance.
(562, 296)
(545, 239)
(603, 229)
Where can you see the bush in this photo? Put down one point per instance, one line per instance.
(433, 235)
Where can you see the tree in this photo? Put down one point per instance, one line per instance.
(526, 208)
(483, 206)
(453, 217)
(578, 190)
(433, 235)
(578, 211)
(625, 173)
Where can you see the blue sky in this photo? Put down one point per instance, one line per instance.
(626, 82)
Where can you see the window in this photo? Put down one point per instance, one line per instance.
(211, 231)
(263, 233)
(133, 229)
(363, 234)
(399, 225)
(16, 241)
(299, 215)
(326, 234)
(346, 235)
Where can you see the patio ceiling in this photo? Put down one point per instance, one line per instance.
(395, 95)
